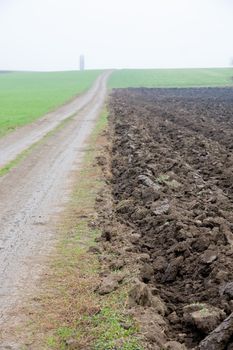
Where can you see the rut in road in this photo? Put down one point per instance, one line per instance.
(16, 142)
(30, 198)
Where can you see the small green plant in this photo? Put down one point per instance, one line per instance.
(162, 178)
(204, 311)
(51, 342)
(65, 333)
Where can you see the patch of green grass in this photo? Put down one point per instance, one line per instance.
(171, 77)
(51, 342)
(100, 125)
(115, 331)
(65, 332)
(25, 96)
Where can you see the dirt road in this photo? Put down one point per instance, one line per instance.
(32, 194)
(19, 140)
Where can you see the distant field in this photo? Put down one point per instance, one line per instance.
(171, 77)
(27, 96)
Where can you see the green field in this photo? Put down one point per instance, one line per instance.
(25, 96)
(171, 77)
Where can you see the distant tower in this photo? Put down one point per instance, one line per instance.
(82, 62)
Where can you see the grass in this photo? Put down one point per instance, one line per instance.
(70, 314)
(111, 332)
(25, 96)
(171, 77)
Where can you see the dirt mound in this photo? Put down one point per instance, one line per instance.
(172, 186)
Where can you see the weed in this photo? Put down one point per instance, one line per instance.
(51, 342)
(162, 178)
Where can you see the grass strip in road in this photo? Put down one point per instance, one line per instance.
(15, 162)
(70, 315)
(9, 166)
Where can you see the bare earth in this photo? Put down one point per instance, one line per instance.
(19, 140)
(171, 186)
(32, 194)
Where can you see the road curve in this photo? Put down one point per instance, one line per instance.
(32, 195)
(14, 143)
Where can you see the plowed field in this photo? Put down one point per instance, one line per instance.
(172, 185)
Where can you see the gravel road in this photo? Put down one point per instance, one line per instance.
(32, 194)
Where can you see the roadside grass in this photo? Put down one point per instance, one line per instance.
(70, 314)
(25, 96)
(203, 77)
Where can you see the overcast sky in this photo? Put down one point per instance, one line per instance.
(51, 34)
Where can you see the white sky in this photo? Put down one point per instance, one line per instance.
(51, 34)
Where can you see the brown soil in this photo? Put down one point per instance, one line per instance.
(172, 190)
